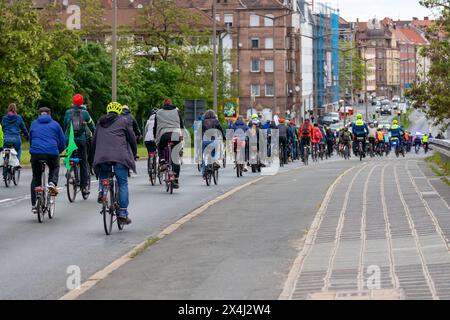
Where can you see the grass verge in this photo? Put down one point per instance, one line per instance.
(404, 121)
(440, 166)
(144, 247)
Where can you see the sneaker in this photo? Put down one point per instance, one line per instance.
(52, 189)
(34, 210)
(124, 220)
(100, 197)
(85, 191)
(245, 169)
(176, 184)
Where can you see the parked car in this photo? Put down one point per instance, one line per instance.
(334, 116)
(386, 110)
(327, 120)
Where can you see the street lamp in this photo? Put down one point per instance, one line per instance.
(114, 52)
(214, 10)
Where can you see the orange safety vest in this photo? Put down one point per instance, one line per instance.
(406, 136)
(380, 136)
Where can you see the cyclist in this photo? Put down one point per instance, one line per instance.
(47, 141)
(380, 140)
(13, 125)
(330, 141)
(316, 137)
(323, 141)
(360, 130)
(397, 133)
(283, 138)
(211, 131)
(372, 135)
(149, 138)
(425, 142)
(254, 127)
(168, 128)
(80, 119)
(292, 140)
(305, 135)
(132, 122)
(345, 139)
(115, 146)
(240, 128)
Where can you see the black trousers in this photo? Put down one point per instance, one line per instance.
(53, 175)
(90, 153)
(84, 165)
(165, 138)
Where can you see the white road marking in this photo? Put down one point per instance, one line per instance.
(5, 200)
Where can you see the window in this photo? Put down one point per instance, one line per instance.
(228, 19)
(255, 90)
(267, 21)
(269, 43)
(254, 20)
(269, 90)
(255, 65)
(255, 43)
(268, 67)
(218, 17)
(288, 43)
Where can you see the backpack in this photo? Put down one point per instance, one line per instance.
(78, 123)
(306, 129)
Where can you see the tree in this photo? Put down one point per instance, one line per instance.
(352, 68)
(434, 91)
(92, 24)
(57, 88)
(20, 53)
(167, 27)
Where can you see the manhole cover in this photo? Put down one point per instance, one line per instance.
(385, 294)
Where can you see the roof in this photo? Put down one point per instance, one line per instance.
(414, 36)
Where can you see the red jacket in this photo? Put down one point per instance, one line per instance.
(316, 135)
(309, 130)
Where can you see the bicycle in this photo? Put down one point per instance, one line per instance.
(10, 173)
(73, 181)
(238, 146)
(45, 201)
(360, 148)
(417, 148)
(211, 170)
(110, 202)
(167, 171)
(315, 155)
(152, 168)
(346, 151)
(305, 154)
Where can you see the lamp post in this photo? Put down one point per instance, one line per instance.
(214, 12)
(114, 53)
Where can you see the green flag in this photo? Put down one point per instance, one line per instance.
(72, 146)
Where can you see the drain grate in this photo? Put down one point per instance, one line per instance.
(383, 294)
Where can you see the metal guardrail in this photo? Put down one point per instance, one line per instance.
(441, 146)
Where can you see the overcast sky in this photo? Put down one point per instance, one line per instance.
(366, 9)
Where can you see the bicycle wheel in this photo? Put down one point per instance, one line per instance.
(40, 209)
(208, 177)
(86, 195)
(120, 224)
(151, 169)
(71, 184)
(108, 212)
(51, 206)
(16, 176)
(6, 174)
(216, 176)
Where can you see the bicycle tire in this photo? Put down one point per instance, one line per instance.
(71, 184)
(207, 177)
(120, 225)
(108, 212)
(16, 176)
(51, 203)
(216, 176)
(86, 195)
(151, 169)
(224, 160)
(40, 210)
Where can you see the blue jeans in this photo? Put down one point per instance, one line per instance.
(122, 179)
(15, 142)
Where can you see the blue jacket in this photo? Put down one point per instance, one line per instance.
(396, 131)
(12, 126)
(46, 136)
(360, 128)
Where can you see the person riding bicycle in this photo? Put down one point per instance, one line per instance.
(330, 141)
(115, 147)
(126, 113)
(283, 137)
(360, 130)
(79, 118)
(13, 126)
(372, 135)
(1, 138)
(345, 138)
(149, 138)
(305, 135)
(397, 133)
(380, 139)
(425, 141)
(47, 141)
(168, 127)
(211, 131)
(316, 136)
(417, 141)
(240, 128)
(292, 139)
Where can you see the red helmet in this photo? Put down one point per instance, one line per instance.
(78, 100)
(292, 122)
(282, 120)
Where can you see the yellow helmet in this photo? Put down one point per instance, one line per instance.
(395, 121)
(114, 107)
(254, 116)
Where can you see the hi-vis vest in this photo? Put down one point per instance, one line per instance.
(425, 139)
(380, 136)
(359, 123)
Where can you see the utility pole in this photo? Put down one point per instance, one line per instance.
(114, 52)
(214, 10)
(274, 67)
